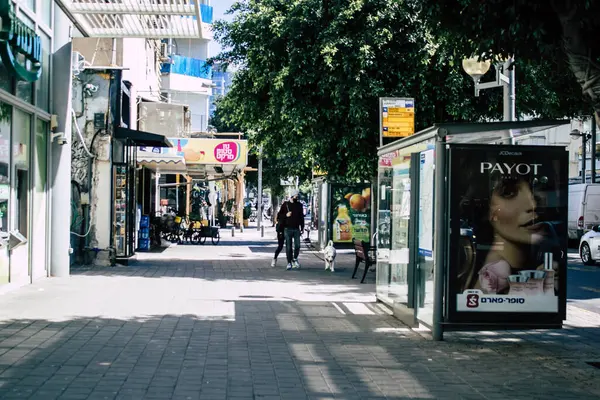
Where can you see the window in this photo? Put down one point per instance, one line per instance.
(24, 90)
(43, 84)
(47, 6)
(5, 129)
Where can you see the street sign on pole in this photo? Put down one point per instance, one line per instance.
(397, 117)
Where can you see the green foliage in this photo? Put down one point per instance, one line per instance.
(312, 72)
(536, 32)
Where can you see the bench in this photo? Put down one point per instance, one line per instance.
(363, 252)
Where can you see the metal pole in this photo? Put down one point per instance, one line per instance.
(259, 201)
(593, 150)
(440, 236)
(583, 157)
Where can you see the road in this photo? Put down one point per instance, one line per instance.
(583, 283)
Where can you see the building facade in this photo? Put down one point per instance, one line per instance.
(33, 118)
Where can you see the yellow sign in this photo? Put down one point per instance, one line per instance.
(397, 117)
(210, 151)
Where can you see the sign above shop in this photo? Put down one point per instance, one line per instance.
(209, 151)
(397, 116)
(20, 47)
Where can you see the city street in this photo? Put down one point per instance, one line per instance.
(216, 322)
(583, 285)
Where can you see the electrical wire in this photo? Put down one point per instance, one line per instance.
(79, 134)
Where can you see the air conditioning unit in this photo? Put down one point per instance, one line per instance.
(78, 63)
(164, 52)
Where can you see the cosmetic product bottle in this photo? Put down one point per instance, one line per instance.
(517, 284)
(535, 282)
(549, 280)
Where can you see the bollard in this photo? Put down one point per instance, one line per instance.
(232, 231)
(262, 231)
(241, 228)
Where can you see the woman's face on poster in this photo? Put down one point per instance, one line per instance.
(513, 213)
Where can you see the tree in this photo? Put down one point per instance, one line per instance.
(554, 36)
(312, 71)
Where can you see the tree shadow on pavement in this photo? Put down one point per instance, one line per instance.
(257, 349)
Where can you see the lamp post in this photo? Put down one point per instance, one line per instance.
(505, 78)
(575, 133)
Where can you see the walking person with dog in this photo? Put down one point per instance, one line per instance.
(291, 215)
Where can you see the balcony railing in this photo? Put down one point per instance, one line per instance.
(187, 66)
(207, 13)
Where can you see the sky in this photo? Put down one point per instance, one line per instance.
(219, 9)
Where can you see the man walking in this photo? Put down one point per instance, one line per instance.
(291, 215)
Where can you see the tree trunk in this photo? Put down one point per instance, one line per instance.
(581, 47)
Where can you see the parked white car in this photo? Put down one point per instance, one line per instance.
(589, 246)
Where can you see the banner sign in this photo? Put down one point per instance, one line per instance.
(351, 212)
(508, 247)
(209, 151)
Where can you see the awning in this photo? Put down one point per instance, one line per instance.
(141, 138)
(162, 163)
(149, 19)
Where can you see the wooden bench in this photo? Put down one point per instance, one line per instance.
(364, 254)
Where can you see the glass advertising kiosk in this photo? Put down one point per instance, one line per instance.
(472, 226)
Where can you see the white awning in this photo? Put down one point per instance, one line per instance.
(152, 19)
(162, 163)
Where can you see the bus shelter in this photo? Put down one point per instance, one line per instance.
(472, 226)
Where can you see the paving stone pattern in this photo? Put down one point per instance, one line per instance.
(206, 322)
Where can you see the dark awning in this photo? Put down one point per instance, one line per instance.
(141, 138)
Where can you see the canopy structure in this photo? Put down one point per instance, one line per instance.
(152, 19)
(161, 163)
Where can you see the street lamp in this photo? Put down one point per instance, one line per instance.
(575, 134)
(505, 78)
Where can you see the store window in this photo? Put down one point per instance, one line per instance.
(43, 84)
(5, 129)
(20, 145)
(40, 185)
(24, 90)
(47, 6)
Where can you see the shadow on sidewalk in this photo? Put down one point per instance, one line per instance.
(288, 350)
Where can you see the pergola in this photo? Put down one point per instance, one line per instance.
(152, 19)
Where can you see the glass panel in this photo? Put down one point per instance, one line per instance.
(31, 3)
(43, 84)
(20, 179)
(384, 227)
(40, 177)
(6, 80)
(425, 237)
(47, 7)
(24, 90)
(5, 129)
(398, 287)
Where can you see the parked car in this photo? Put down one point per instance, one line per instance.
(584, 208)
(589, 246)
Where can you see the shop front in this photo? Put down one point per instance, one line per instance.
(471, 231)
(26, 43)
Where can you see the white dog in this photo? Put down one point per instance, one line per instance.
(329, 253)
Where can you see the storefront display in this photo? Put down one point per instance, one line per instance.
(509, 210)
(120, 209)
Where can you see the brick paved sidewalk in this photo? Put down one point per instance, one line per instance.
(216, 322)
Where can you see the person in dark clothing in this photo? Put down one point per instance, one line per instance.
(279, 228)
(291, 215)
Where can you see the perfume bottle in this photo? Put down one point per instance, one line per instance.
(549, 280)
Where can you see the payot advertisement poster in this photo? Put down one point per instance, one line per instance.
(351, 213)
(508, 253)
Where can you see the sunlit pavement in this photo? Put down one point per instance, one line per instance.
(217, 322)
